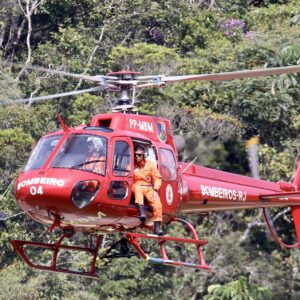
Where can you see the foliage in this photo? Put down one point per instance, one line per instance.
(238, 290)
(84, 108)
(160, 37)
(147, 58)
(29, 119)
(271, 15)
(8, 87)
(15, 146)
(233, 29)
(276, 165)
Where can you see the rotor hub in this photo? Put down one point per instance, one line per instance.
(125, 75)
(126, 83)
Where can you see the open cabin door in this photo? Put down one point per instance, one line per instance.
(120, 171)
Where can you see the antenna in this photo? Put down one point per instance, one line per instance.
(63, 125)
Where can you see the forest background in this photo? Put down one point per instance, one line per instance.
(168, 37)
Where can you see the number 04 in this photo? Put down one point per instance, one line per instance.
(36, 190)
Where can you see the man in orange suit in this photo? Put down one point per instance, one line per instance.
(146, 183)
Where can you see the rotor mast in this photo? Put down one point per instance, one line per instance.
(126, 84)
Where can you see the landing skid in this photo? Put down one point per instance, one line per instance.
(120, 248)
(68, 232)
(134, 238)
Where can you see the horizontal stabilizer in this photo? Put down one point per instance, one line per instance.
(285, 196)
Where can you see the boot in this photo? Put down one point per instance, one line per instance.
(156, 228)
(143, 217)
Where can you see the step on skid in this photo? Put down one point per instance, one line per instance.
(134, 239)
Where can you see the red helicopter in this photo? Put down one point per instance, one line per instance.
(60, 188)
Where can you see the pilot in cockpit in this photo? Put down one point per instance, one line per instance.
(95, 158)
(51, 147)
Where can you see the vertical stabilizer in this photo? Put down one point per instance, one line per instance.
(296, 218)
(296, 209)
(296, 180)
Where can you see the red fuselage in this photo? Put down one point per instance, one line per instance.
(57, 184)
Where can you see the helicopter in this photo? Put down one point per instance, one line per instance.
(57, 189)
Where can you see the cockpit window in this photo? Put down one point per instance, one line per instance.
(83, 152)
(41, 152)
(122, 159)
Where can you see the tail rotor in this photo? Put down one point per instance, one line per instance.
(253, 157)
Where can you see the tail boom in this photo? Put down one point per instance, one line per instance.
(203, 190)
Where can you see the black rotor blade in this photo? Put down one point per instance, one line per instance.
(49, 97)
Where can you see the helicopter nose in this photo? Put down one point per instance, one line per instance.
(84, 192)
(56, 188)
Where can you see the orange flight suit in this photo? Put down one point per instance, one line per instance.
(97, 166)
(146, 179)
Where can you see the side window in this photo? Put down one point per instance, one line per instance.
(118, 190)
(152, 155)
(168, 165)
(122, 159)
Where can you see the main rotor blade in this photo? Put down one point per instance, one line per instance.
(234, 75)
(95, 79)
(49, 97)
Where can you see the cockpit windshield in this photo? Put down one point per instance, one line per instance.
(41, 152)
(84, 152)
(80, 151)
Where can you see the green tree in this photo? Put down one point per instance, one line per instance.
(239, 290)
